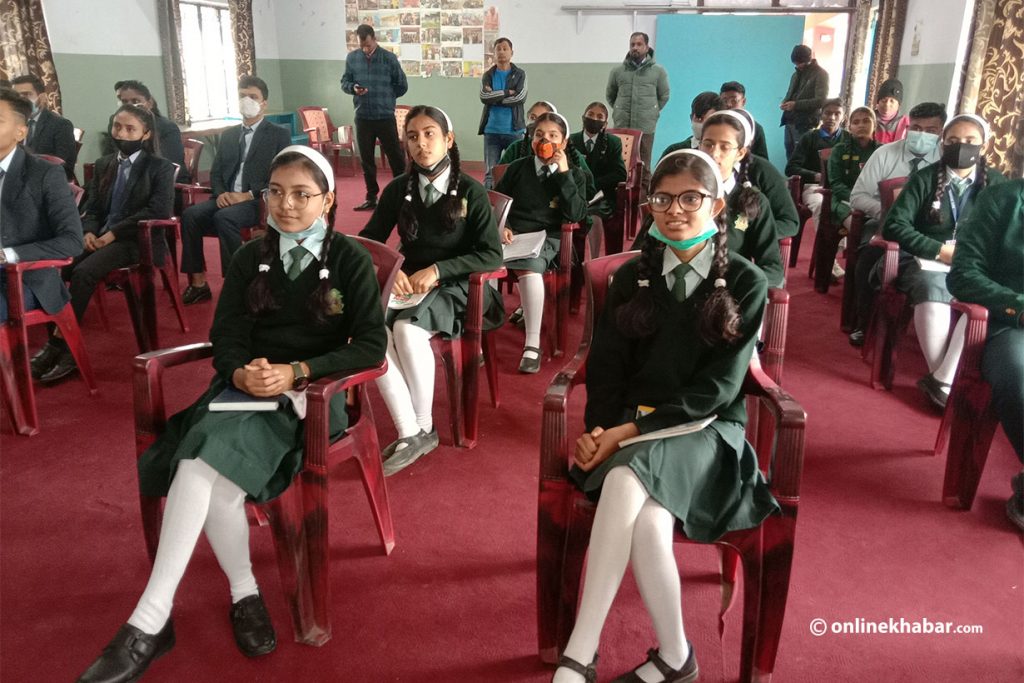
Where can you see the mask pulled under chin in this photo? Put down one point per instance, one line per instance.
(248, 107)
(318, 227)
(960, 155)
(437, 168)
(708, 233)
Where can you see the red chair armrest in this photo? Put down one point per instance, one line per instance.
(892, 259)
(555, 444)
(318, 417)
(25, 266)
(790, 421)
(147, 386)
(146, 233)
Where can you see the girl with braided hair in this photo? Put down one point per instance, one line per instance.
(298, 304)
(547, 190)
(726, 137)
(447, 232)
(672, 345)
(924, 220)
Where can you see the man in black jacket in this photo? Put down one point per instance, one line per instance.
(38, 216)
(502, 92)
(808, 88)
(48, 133)
(240, 173)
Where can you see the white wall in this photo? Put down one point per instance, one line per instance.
(103, 27)
(934, 27)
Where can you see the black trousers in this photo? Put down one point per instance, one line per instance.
(88, 268)
(367, 133)
(226, 224)
(866, 283)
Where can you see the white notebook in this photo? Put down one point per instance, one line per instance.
(399, 302)
(667, 432)
(524, 245)
(232, 399)
(933, 266)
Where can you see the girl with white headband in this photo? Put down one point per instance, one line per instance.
(297, 304)
(752, 230)
(924, 220)
(672, 345)
(447, 232)
(547, 190)
(521, 148)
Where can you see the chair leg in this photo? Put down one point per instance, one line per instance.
(613, 232)
(367, 453)
(144, 324)
(152, 509)
(68, 326)
(491, 365)
(552, 531)
(766, 589)
(16, 380)
(562, 314)
(450, 352)
(970, 439)
(577, 538)
(100, 299)
(471, 349)
(169, 275)
(550, 317)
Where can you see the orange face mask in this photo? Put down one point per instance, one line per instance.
(544, 149)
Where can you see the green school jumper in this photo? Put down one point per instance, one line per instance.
(471, 246)
(605, 161)
(521, 149)
(709, 479)
(805, 161)
(261, 452)
(755, 239)
(844, 166)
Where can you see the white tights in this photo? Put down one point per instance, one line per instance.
(408, 385)
(200, 499)
(941, 349)
(629, 527)
(531, 294)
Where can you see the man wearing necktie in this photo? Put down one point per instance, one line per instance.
(48, 132)
(240, 172)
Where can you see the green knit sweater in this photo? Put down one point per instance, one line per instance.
(520, 149)
(543, 204)
(847, 159)
(805, 160)
(472, 246)
(755, 239)
(353, 336)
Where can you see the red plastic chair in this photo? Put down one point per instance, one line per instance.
(565, 515)
(796, 190)
(828, 235)
(891, 314)
(299, 517)
(969, 422)
(401, 113)
(193, 152)
(316, 122)
(623, 223)
(461, 357)
(15, 372)
(557, 283)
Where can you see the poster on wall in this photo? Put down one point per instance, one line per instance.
(443, 38)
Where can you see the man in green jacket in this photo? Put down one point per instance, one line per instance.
(808, 88)
(638, 91)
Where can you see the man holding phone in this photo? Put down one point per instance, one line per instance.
(374, 78)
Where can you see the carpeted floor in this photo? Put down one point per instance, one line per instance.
(455, 601)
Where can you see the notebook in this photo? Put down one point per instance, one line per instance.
(232, 399)
(524, 245)
(677, 430)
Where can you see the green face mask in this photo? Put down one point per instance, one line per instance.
(683, 244)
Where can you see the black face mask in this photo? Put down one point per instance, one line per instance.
(960, 154)
(435, 169)
(128, 147)
(593, 126)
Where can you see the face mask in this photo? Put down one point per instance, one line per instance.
(248, 107)
(920, 143)
(698, 127)
(683, 244)
(593, 126)
(318, 227)
(960, 155)
(35, 107)
(128, 147)
(435, 169)
(544, 150)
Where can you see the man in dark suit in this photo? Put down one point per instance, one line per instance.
(48, 133)
(241, 171)
(38, 216)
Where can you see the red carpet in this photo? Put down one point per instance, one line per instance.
(455, 601)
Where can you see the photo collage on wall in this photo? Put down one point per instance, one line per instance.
(445, 38)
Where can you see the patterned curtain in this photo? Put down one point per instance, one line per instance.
(892, 16)
(169, 19)
(993, 84)
(241, 29)
(853, 76)
(25, 46)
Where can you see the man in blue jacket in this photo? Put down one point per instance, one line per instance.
(502, 92)
(375, 79)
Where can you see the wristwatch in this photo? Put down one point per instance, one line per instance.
(301, 378)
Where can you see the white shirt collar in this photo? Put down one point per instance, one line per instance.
(314, 245)
(700, 264)
(729, 185)
(440, 183)
(133, 158)
(255, 125)
(954, 176)
(538, 164)
(588, 136)
(5, 163)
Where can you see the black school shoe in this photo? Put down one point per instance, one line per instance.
(412, 449)
(254, 632)
(856, 337)
(369, 205)
(935, 391)
(128, 655)
(65, 366)
(687, 673)
(46, 357)
(194, 294)
(589, 672)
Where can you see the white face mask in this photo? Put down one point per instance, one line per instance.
(248, 107)
(697, 126)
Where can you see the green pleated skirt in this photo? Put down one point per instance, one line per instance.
(546, 259)
(444, 309)
(261, 452)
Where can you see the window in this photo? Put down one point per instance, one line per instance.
(208, 52)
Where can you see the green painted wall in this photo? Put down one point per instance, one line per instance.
(571, 87)
(925, 83)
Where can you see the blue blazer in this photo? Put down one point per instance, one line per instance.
(39, 220)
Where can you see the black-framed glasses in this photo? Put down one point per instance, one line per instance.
(299, 198)
(690, 201)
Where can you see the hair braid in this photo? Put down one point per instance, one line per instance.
(638, 317)
(750, 196)
(259, 297)
(941, 181)
(719, 316)
(319, 303)
(451, 203)
(408, 225)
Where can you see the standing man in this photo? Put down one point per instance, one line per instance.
(502, 92)
(638, 91)
(48, 133)
(375, 79)
(808, 88)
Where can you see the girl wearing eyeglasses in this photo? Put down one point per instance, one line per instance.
(752, 232)
(297, 304)
(447, 232)
(671, 346)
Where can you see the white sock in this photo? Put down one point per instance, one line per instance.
(947, 368)
(188, 502)
(931, 322)
(395, 392)
(227, 530)
(531, 294)
(657, 577)
(413, 346)
(812, 200)
(622, 497)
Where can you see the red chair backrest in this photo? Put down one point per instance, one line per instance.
(193, 150)
(386, 263)
(316, 117)
(497, 172)
(77, 192)
(630, 138)
(401, 113)
(52, 159)
(345, 135)
(888, 191)
(501, 204)
(599, 273)
(823, 156)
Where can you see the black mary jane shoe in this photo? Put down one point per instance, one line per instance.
(254, 632)
(687, 673)
(589, 672)
(128, 655)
